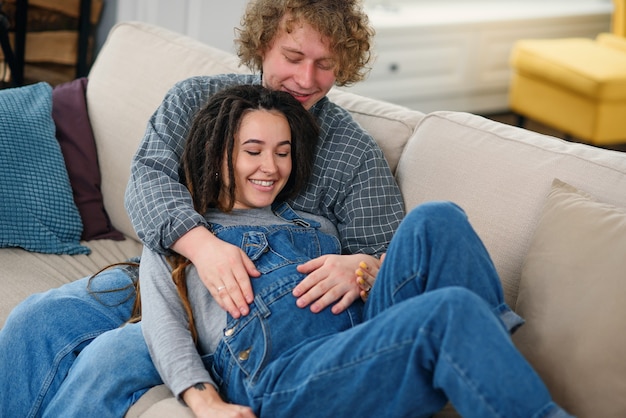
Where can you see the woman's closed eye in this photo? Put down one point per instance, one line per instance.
(277, 153)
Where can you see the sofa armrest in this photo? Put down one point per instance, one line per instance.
(612, 41)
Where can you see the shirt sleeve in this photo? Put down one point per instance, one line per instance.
(159, 206)
(352, 184)
(165, 327)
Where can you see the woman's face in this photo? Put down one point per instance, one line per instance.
(261, 158)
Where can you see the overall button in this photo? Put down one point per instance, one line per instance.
(229, 332)
(245, 354)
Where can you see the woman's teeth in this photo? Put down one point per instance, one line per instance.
(262, 183)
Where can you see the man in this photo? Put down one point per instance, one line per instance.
(80, 361)
(304, 60)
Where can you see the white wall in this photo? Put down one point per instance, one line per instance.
(454, 54)
(209, 21)
(107, 20)
(431, 54)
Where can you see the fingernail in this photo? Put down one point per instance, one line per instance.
(363, 265)
(359, 272)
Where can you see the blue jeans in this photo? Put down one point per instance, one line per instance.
(62, 353)
(435, 329)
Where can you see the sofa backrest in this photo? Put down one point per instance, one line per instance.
(134, 69)
(501, 175)
(138, 64)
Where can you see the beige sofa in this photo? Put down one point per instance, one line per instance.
(501, 175)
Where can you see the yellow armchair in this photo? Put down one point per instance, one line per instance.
(618, 19)
(575, 85)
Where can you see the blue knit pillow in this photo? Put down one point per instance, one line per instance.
(37, 210)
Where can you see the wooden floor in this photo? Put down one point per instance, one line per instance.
(511, 119)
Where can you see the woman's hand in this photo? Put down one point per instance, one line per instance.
(205, 402)
(224, 269)
(330, 278)
(366, 276)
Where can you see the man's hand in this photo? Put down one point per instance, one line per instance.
(331, 278)
(224, 269)
(205, 402)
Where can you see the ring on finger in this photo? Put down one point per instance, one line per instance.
(220, 288)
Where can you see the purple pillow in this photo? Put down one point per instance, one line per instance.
(73, 131)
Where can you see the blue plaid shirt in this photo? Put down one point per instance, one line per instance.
(351, 185)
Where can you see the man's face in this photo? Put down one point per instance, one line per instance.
(301, 64)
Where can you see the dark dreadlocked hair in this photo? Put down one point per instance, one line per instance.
(211, 141)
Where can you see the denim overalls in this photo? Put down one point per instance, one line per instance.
(275, 325)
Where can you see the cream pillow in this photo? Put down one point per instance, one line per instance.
(573, 297)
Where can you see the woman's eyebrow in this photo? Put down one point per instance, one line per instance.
(260, 141)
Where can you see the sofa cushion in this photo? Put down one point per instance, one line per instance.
(73, 131)
(24, 273)
(571, 295)
(500, 175)
(37, 210)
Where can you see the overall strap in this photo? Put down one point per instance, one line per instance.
(285, 212)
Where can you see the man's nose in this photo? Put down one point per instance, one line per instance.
(306, 75)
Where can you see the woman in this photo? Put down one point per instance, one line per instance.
(434, 327)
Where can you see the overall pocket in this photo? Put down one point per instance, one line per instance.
(274, 328)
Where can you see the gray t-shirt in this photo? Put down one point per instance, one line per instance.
(164, 323)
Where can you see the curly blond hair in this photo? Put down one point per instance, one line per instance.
(342, 22)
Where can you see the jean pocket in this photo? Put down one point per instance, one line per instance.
(266, 259)
(246, 340)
